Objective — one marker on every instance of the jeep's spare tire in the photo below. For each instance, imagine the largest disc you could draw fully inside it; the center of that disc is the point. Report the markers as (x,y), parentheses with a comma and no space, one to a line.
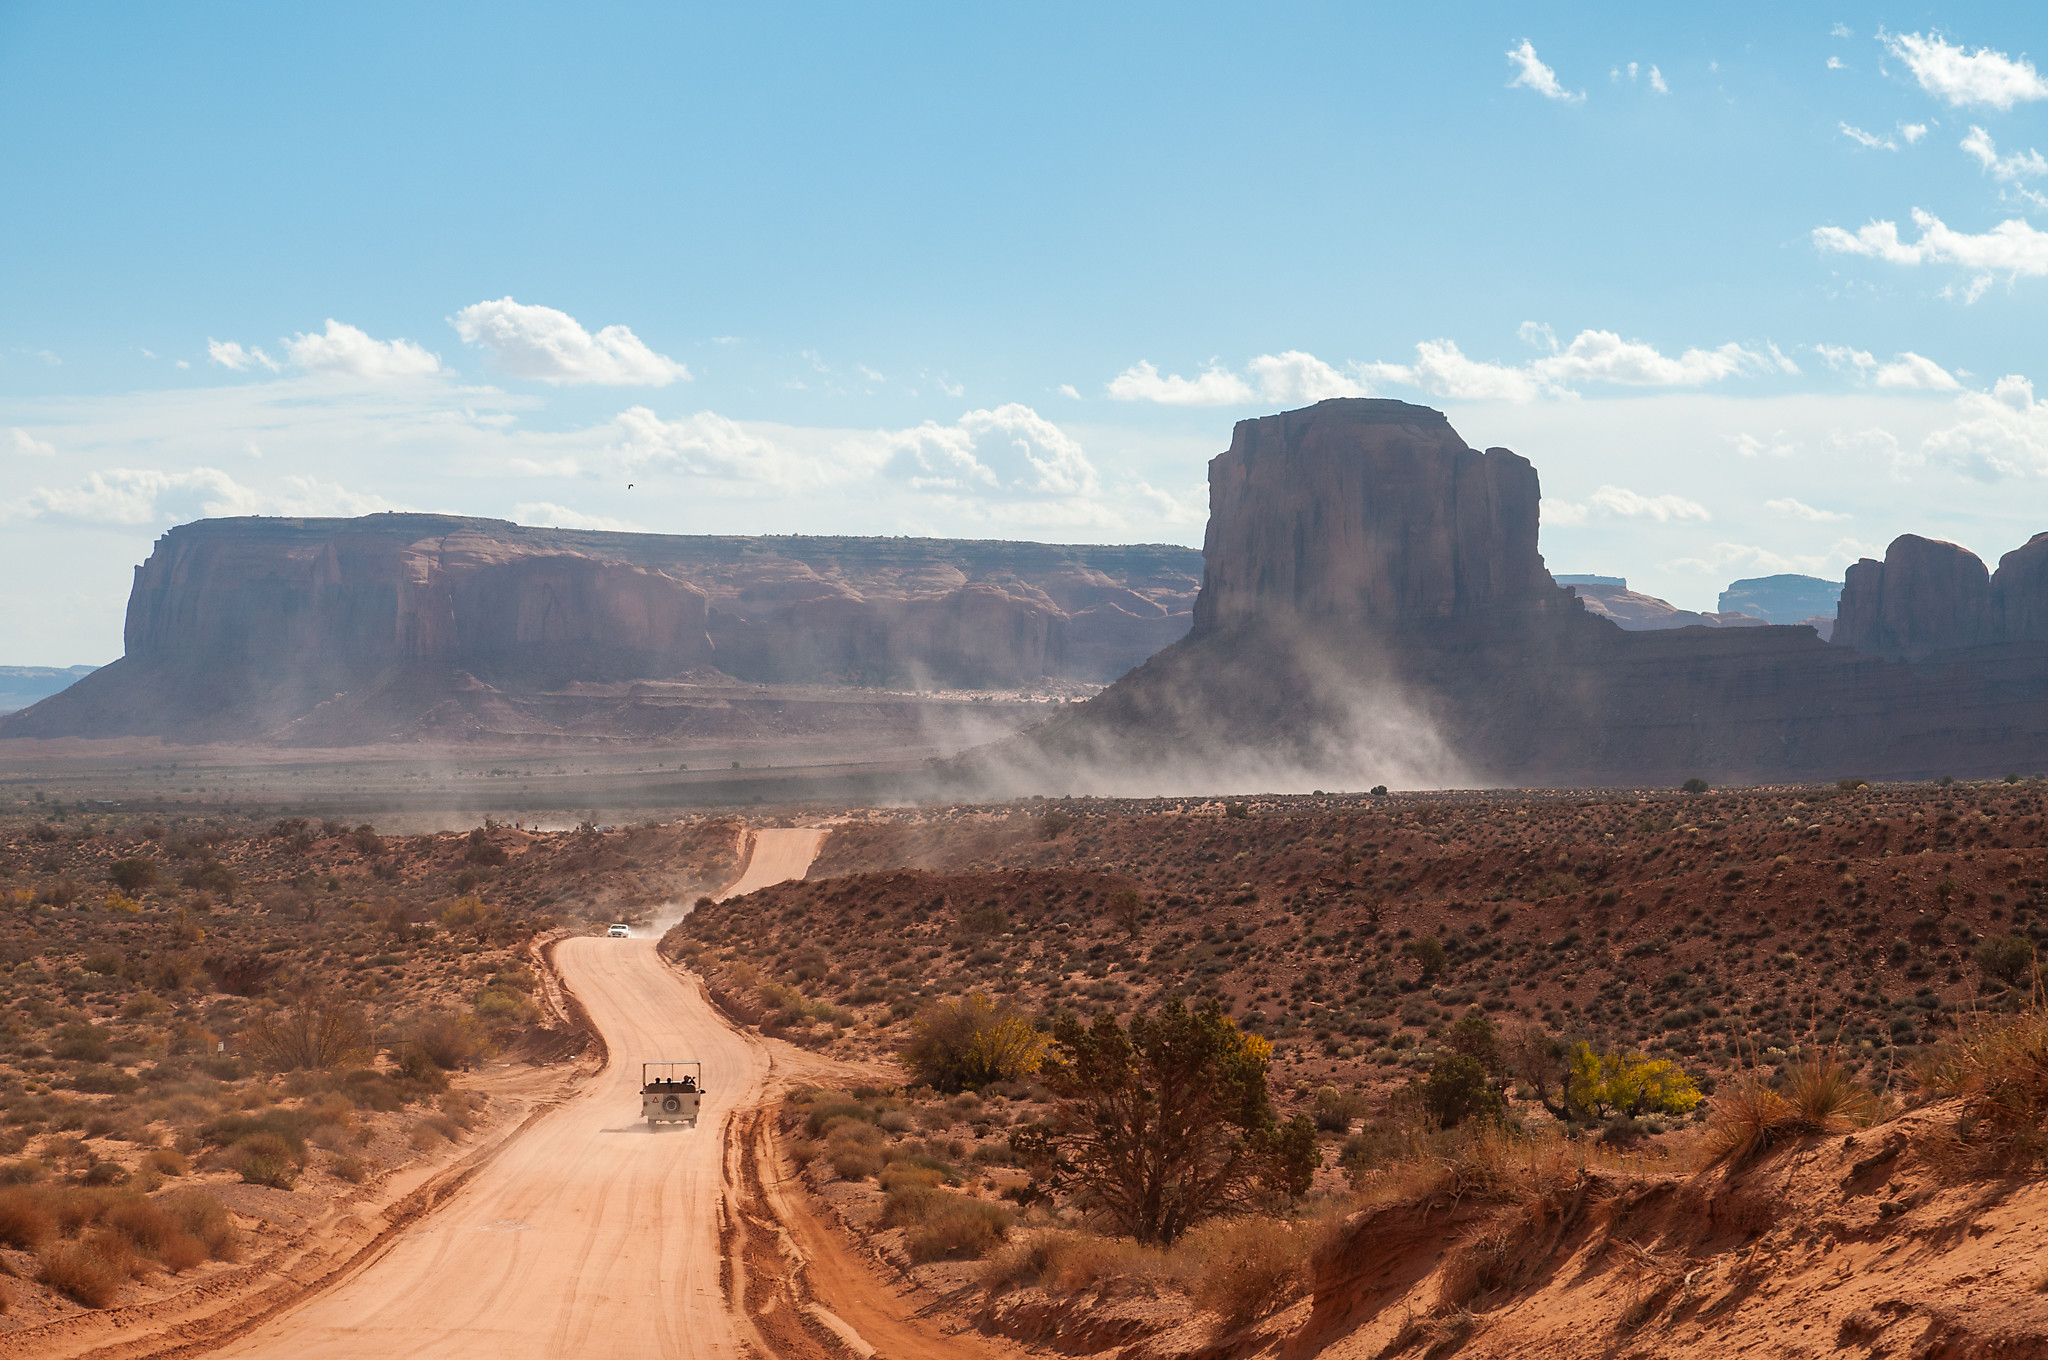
(670,1104)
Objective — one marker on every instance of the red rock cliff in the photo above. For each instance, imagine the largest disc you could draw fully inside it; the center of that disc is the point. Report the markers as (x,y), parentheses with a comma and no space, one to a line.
(1370,510)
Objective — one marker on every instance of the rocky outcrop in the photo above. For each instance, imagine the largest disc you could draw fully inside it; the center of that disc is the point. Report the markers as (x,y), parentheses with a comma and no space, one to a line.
(241,627)
(1374,612)
(1368,510)
(1927,596)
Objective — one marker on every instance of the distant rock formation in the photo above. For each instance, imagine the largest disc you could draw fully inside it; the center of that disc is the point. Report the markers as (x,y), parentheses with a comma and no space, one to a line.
(1374,611)
(239,628)
(21,686)
(1786,598)
(1639,613)
(1372,509)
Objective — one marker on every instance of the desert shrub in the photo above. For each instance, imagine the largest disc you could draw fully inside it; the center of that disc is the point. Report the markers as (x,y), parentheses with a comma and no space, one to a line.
(1428,955)
(823,1118)
(856,1161)
(1456,1089)
(2000,1071)
(470,916)
(1752,1114)
(166,1161)
(315,1033)
(349,1167)
(940,1226)
(2006,959)
(1081,1261)
(1054,824)
(157,1233)
(80,1041)
(481,851)
(1245,1268)
(25,1219)
(1334,1110)
(1475,1036)
(447,1040)
(1170,1121)
(206,1219)
(972,1042)
(241,974)
(1599,1085)
(133,875)
(90,1271)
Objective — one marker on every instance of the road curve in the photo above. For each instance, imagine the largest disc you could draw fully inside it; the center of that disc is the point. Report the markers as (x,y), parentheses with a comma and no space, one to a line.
(589,1234)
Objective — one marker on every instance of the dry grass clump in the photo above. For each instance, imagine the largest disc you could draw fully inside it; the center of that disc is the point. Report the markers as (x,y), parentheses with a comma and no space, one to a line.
(1065,1261)
(90,1271)
(1236,1269)
(2000,1071)
(1242,1269)
(1819,1095)
(89,1241)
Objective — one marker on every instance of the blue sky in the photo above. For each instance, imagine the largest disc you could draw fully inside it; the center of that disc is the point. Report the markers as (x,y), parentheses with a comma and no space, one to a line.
(1757,288)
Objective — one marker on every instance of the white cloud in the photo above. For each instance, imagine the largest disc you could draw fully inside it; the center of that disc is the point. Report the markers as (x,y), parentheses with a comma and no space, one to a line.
(1562,514)
(21,442)
(546,345)
(2013,247)
(1603,356)
(1011,450)
(1619,500)
(1657,81)
(710,445)
(1840,31)
(1725,559)
(1835,64)
(1842,358)
(1912,371)
(1067,390)
(1907,371)
(343,349)
(1532,74)
(2006,169)
(1781,360)
(1801,510)
(1912,132)
(1868,139)
(136,496)
(1442,370)
(1295,376)
(548,515)
(1215,387)
(2001,433)
(1778,445)
(230,354)
(1961,76)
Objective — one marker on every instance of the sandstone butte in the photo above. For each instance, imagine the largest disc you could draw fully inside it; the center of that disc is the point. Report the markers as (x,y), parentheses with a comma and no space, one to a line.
(333,632)
(1374,609)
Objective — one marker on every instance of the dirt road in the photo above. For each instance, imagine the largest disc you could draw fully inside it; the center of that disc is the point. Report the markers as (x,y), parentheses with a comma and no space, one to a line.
(590,1234)
(778,857)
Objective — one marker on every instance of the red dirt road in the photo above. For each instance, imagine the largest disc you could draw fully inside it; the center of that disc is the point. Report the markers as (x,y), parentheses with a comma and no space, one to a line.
(589,1234)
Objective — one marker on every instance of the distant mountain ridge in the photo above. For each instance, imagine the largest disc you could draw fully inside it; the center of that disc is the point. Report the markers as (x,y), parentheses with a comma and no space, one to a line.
(390,627)
(21,686)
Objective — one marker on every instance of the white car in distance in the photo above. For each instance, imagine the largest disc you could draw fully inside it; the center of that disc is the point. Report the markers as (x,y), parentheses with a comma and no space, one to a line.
(619,931)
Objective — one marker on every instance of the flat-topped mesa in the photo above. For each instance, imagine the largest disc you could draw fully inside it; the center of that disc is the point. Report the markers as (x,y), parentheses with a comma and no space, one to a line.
(1368,510)
(240,628)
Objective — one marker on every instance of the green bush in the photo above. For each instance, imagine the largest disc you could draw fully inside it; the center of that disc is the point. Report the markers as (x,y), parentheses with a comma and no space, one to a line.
(1456,1090)
(2007,959)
